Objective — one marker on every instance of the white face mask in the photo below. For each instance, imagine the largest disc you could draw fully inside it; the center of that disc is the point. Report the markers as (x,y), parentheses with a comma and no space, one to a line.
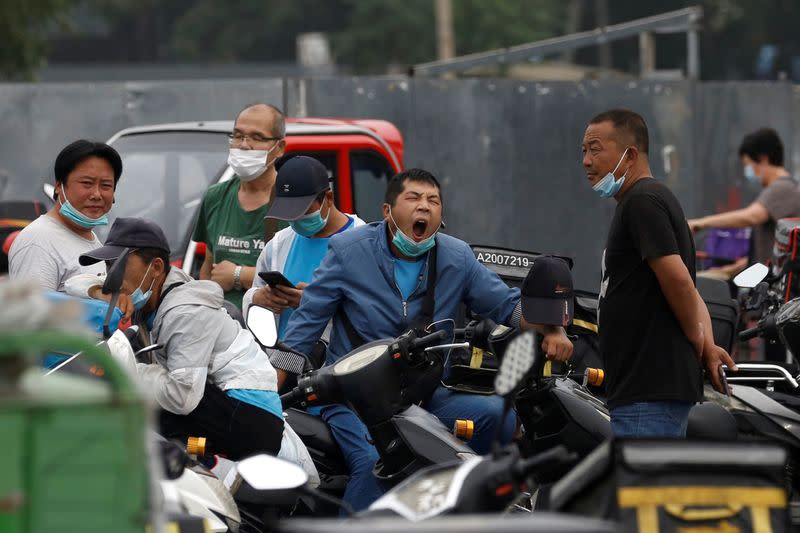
(249,164)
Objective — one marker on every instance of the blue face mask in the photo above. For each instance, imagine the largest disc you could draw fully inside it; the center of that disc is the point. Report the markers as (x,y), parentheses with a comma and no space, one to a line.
(139,298)
(608,186)
(310,225)
(70,213)
(750,175)
(408,246)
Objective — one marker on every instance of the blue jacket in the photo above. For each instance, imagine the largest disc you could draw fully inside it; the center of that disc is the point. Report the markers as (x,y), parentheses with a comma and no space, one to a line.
(357,275)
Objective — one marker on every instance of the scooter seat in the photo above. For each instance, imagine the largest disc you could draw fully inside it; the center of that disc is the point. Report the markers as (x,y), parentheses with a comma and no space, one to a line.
(711,421)
(316,435)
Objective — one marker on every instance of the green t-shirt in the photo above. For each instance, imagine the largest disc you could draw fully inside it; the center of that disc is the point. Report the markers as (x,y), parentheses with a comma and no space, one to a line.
(230,232)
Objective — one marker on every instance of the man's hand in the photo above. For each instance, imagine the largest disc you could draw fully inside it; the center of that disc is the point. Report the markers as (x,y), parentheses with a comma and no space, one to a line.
(695,224)
(713,358)
(291,295)
(282,375)
(557,346)
(271,299)
(222,274)
(124,302)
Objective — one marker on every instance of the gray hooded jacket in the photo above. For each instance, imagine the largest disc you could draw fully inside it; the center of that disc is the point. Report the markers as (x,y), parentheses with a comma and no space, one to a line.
(201,343)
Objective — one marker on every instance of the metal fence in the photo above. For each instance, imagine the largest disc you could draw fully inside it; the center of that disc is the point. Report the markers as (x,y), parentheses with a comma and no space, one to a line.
(507,152)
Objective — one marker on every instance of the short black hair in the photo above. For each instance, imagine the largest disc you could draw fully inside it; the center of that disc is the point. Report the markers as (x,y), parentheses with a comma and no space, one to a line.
(76,152)
(763,142)
(149,254)
(278,125)
(396,185)
(629,123)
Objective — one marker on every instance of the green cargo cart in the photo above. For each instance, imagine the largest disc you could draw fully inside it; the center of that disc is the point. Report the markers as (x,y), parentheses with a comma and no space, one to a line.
(73,447)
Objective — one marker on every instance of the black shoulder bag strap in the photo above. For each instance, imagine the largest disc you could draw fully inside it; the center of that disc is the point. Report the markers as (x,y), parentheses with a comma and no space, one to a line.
(421,322)
(144,335)
(429,303)
(140,318)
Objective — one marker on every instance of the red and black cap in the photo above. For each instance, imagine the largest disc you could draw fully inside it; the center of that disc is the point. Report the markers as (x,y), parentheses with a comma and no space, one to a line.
(547,292)
(300,180)
(127,233)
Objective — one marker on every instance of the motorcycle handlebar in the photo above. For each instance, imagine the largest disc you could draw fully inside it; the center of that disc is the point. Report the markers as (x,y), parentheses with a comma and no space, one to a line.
(292,397)
(429,339)
(557,455)
(748,334)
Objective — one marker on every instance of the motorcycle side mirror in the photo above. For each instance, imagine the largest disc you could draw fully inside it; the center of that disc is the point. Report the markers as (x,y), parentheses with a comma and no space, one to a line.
(49,191)
(261,323)
(112,286)
(751,276)
(517,362)
(267,473)
(116,274)
(173,458)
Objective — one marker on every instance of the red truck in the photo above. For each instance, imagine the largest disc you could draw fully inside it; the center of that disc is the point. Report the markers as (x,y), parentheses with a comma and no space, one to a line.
(168,167)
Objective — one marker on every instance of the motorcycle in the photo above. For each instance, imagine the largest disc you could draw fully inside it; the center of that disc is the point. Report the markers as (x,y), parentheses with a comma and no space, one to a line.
(376,381)
(493,484)
(555,409)
(188,486)
(488,484)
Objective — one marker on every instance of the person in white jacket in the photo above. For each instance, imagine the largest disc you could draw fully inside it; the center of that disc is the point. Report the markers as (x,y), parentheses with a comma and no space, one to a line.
(211,379)
(304,198)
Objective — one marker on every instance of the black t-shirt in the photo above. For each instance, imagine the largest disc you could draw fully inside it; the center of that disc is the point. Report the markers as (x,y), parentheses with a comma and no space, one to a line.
(646,355)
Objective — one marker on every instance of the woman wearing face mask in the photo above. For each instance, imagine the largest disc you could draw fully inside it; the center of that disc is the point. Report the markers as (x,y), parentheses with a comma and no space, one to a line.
(46,251)
(210,379)
(303,197)
(231,220)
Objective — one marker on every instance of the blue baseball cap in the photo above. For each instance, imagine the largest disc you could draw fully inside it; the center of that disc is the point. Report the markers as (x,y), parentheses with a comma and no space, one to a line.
(300,180)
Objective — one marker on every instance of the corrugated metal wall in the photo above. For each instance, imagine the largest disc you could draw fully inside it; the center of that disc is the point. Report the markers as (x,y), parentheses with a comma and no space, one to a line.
(507,152)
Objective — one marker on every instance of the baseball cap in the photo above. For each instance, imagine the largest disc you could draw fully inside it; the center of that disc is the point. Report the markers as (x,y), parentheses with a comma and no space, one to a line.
(300,179)
(127,233)
(547,292)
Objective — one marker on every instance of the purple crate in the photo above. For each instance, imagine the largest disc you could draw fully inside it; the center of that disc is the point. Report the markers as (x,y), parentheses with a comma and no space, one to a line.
(726,245)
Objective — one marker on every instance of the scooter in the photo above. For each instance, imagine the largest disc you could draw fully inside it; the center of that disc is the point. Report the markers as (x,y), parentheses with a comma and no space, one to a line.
(373,380)
(453,491)
(492,484)
(555,409)
(217,494)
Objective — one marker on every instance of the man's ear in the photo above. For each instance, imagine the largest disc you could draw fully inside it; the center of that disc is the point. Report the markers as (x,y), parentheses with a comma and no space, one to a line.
(386,208)
(159,266)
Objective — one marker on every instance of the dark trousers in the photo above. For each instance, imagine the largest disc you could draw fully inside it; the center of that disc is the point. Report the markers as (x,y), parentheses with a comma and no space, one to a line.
(231,427)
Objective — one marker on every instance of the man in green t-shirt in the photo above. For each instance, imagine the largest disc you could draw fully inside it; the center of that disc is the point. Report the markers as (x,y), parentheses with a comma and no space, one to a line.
(232,220)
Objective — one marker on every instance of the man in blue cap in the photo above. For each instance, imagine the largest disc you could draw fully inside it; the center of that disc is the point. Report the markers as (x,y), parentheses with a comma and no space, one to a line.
(304,198)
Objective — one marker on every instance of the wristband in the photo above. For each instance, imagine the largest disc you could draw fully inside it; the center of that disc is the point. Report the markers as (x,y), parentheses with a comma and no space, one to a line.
(237,278)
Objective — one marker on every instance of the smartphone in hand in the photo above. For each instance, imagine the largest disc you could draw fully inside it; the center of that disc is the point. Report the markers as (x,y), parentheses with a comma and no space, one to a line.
(274,278)
(724,379)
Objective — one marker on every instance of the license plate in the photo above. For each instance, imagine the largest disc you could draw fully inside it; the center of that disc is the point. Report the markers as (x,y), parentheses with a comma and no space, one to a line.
(505,262)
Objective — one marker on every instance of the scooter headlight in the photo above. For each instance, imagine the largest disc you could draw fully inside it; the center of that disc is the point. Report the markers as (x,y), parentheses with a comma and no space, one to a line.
(429,493)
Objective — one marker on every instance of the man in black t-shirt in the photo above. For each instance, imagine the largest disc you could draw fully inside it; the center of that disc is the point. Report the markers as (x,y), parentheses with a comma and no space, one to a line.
(655,330)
